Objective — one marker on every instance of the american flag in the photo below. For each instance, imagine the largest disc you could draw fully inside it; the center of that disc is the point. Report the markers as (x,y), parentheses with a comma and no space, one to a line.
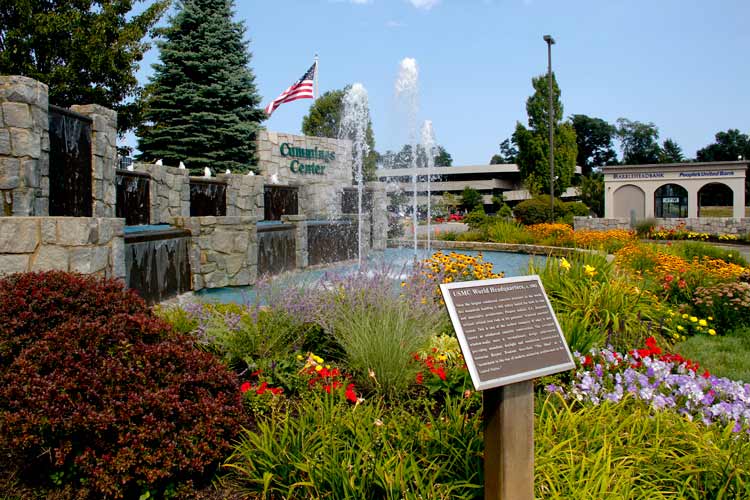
(302,89)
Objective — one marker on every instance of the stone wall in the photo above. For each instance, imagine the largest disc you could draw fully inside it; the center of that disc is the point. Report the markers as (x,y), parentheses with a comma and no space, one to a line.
(24,146)
(223,250)
(319,193)
(710,225)
(169,192)
(103,156)
(78,244)
(244,195)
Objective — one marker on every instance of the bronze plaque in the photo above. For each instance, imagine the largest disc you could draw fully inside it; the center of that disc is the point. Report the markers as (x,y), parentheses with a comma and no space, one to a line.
(507,330)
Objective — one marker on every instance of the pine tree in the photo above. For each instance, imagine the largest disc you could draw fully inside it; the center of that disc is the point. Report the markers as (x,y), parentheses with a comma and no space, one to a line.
(202,106)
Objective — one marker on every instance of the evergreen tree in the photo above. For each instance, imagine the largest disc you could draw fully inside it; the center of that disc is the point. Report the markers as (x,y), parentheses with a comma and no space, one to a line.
(324,120)
(533,142)
(671,152)
(201,104)
(86,51)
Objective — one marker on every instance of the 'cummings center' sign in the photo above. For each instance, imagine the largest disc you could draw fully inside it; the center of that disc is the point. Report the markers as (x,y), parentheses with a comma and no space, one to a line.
(306,160)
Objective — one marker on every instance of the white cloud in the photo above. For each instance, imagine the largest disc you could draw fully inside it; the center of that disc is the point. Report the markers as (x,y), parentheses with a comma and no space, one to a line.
(424,4)
(394,24)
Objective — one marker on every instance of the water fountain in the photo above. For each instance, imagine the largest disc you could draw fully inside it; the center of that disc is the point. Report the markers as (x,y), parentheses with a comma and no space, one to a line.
(408,97)
(428,144)
(354,121)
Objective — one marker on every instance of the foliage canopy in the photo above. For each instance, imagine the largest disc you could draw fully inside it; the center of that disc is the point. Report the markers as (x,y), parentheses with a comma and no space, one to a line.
(86,51)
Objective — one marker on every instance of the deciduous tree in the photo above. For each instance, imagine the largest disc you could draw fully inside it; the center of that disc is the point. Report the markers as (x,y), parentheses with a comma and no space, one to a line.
(86,51)
(638,142)
(324,120)
(508,153)
(594,141)
(533,142)
(731,145)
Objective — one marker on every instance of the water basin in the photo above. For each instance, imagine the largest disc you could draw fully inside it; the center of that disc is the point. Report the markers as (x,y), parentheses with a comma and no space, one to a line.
(397,260)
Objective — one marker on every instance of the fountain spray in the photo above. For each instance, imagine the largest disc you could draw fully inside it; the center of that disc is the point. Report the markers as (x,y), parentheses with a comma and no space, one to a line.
(428,144)
(407,94)
(354,121)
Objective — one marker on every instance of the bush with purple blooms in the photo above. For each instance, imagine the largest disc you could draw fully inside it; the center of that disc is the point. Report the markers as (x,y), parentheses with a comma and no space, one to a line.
(663,381)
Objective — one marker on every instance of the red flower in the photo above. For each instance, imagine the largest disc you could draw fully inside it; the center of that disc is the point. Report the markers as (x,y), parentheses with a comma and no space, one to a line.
(706,374)
(420,378)
(262,389)
(276,390)
(246,386)
(350,394)
(440,372)
(587,360)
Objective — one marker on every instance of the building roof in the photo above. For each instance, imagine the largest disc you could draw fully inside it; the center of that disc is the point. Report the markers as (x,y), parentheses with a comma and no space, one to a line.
(505,168)
(682,165)
(502,168)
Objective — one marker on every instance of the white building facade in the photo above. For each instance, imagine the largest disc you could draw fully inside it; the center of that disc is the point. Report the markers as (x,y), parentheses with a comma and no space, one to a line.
(674,190)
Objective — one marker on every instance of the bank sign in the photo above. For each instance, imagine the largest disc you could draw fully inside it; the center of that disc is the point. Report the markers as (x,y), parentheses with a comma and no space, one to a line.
(306,160)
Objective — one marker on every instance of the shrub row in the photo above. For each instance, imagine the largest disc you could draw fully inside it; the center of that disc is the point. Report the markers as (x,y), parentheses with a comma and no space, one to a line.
(97,393)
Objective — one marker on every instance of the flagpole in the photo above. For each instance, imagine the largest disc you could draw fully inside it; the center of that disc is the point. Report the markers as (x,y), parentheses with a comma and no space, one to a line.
(315,90)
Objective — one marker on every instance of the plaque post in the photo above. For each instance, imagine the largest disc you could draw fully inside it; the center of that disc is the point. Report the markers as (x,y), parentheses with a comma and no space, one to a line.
(509,442)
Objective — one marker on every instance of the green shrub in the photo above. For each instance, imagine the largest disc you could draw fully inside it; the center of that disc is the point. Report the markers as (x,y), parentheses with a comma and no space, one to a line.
(603,308)
(378,330)
(508,231)
(505,211)
(476,218)
(471,236)
(727,303)
(645,227)
(538,210)
(692,249)
(576,208)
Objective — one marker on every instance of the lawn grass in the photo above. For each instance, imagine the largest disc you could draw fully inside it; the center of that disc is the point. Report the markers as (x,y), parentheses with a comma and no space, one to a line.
(727,356)
(720,211)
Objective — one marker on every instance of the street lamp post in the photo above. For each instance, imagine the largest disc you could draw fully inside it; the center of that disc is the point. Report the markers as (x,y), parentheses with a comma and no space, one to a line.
(550,41)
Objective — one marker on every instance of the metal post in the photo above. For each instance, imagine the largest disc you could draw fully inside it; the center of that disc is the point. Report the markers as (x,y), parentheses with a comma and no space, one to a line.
(551,124)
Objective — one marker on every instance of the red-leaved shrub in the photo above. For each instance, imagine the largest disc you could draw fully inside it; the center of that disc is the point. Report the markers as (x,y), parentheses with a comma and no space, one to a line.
(109,400)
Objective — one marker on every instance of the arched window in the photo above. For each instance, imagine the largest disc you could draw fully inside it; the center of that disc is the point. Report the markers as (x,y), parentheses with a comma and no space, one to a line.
(715,200)
(671,201)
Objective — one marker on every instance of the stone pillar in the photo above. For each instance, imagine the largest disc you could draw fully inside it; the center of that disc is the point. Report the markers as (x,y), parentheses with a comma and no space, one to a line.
(169,192)
(244,192)
(24,146)
(300,237)
(379,215)
(103,156)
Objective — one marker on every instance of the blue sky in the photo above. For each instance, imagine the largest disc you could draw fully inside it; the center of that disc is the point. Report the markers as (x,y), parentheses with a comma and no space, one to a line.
(681,64)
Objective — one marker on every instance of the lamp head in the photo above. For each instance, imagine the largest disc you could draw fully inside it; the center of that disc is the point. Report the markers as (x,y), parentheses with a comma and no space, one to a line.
(549,39)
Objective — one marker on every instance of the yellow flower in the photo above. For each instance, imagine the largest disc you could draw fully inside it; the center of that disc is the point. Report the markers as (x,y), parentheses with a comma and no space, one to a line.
(403,283)
(564,264)
(317,359)
(684,316)
(442,357)
(300,357)
(318,368)
(589,271)
(703,322)
(710,318)
(711,331)
(680,328)
(693,319)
